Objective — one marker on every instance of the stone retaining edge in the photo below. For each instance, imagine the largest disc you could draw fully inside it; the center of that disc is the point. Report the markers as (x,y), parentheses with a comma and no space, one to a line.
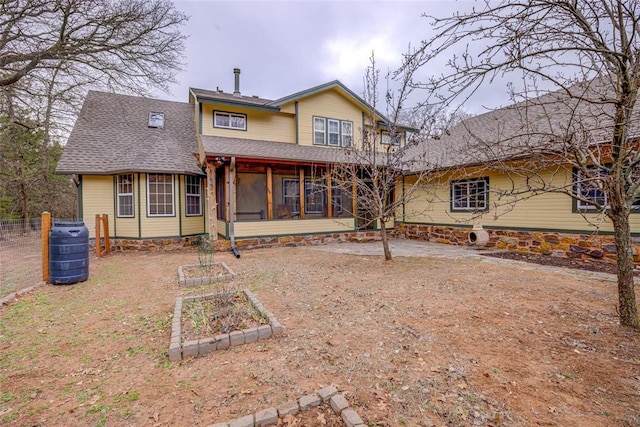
(269,416)
(179,350)
(197,281)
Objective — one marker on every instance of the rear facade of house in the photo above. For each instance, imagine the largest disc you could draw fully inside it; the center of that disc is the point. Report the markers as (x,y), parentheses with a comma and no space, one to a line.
(223,164)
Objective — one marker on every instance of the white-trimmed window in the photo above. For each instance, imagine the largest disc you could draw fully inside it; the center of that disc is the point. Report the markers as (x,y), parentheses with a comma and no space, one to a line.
(347,133)
(588,188)
(291,194)
(124,199)
(388,140)
(160,195)
(319,131)
(193,194)
(314,195)
(469,195)
(229,120)
(332,132)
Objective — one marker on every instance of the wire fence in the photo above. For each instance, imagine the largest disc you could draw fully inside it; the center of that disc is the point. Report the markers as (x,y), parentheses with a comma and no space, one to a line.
(20,254)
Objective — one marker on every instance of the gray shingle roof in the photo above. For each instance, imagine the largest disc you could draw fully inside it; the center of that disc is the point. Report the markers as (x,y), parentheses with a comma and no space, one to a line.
(550,123)
(213,95)
(111,135)
(269,150)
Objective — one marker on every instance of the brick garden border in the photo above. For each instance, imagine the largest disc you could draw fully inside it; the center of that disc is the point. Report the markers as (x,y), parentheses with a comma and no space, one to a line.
(197,281)
(179,350)
(270,416)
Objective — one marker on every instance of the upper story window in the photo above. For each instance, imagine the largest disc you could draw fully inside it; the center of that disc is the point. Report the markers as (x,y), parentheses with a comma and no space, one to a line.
(229,120)
(388,140)
(159,195)
(319,130)
(333,137)
(347,134)
(470,195)
(193,195)
(124,199)
(333,132)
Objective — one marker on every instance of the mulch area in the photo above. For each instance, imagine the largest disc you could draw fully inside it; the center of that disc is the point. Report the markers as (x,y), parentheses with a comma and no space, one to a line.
(579,264)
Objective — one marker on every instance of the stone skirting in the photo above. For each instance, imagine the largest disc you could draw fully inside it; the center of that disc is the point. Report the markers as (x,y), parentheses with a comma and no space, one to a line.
(584,246)
(172,244)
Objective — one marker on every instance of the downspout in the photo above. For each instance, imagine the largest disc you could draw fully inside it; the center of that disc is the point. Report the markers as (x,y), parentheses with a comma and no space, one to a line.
(232,188)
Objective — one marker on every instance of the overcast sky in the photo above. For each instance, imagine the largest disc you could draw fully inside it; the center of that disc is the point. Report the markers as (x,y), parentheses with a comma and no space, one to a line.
(283,47)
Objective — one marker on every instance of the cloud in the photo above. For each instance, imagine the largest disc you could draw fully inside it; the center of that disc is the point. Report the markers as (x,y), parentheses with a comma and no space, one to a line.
(284,47)
(350,56)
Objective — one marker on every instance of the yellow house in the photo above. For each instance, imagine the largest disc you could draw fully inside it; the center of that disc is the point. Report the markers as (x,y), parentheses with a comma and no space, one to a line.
(225,164)
(505,177)
(133,159)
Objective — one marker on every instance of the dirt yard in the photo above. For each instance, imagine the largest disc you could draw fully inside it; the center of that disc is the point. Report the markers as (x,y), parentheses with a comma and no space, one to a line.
(416,342)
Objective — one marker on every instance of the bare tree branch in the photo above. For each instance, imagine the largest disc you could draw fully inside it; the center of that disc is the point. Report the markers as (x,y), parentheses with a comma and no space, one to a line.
(575,78)
(132,43)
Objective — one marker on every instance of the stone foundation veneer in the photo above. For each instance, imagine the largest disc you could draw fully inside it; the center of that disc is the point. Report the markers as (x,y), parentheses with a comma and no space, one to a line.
(584,246)
(173,244)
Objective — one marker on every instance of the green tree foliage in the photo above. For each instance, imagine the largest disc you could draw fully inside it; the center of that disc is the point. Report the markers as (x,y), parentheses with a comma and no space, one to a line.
(26,190)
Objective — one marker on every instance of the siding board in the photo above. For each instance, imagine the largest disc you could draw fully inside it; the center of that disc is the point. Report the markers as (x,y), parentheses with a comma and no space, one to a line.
(546,211)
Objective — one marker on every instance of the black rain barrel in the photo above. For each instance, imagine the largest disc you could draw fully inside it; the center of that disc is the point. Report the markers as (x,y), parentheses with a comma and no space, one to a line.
(68,252)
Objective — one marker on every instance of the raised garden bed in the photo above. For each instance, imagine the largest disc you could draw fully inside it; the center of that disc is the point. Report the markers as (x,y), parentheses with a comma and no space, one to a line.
(180,348)
(202,274)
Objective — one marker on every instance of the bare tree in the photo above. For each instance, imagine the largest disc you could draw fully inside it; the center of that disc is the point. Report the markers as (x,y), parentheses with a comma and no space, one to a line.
(126,42)
(430,121)
(373,169)
(586,53)
(52,52)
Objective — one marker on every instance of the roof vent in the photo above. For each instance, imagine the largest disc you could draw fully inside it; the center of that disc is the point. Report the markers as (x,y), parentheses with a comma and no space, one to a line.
(156,120)
(236,90)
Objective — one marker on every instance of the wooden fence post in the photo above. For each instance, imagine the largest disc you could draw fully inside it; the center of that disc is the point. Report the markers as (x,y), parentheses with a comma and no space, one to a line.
(45,228)
(98,244)
(102,226)
(107,240)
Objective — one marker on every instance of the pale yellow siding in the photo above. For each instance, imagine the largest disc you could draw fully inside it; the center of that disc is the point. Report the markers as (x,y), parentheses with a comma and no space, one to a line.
(191,224)
(288,108)
(261,125)
(281,126)
(291,227)
(98,196)
(545,211)
(331,105)
(126,227)
(221,227)
(157,226)
(97,199)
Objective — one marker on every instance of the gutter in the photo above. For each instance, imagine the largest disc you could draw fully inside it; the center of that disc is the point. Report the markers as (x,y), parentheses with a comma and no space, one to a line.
(232,186)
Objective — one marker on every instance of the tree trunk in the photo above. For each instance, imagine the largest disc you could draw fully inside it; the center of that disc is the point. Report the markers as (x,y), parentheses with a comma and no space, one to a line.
(385,241)
(626,292)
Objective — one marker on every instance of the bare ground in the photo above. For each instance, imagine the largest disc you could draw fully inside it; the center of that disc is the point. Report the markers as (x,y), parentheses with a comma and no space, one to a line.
(416,342)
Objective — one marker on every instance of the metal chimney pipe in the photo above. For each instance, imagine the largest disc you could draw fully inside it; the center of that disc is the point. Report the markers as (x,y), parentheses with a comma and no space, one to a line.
(236,90)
